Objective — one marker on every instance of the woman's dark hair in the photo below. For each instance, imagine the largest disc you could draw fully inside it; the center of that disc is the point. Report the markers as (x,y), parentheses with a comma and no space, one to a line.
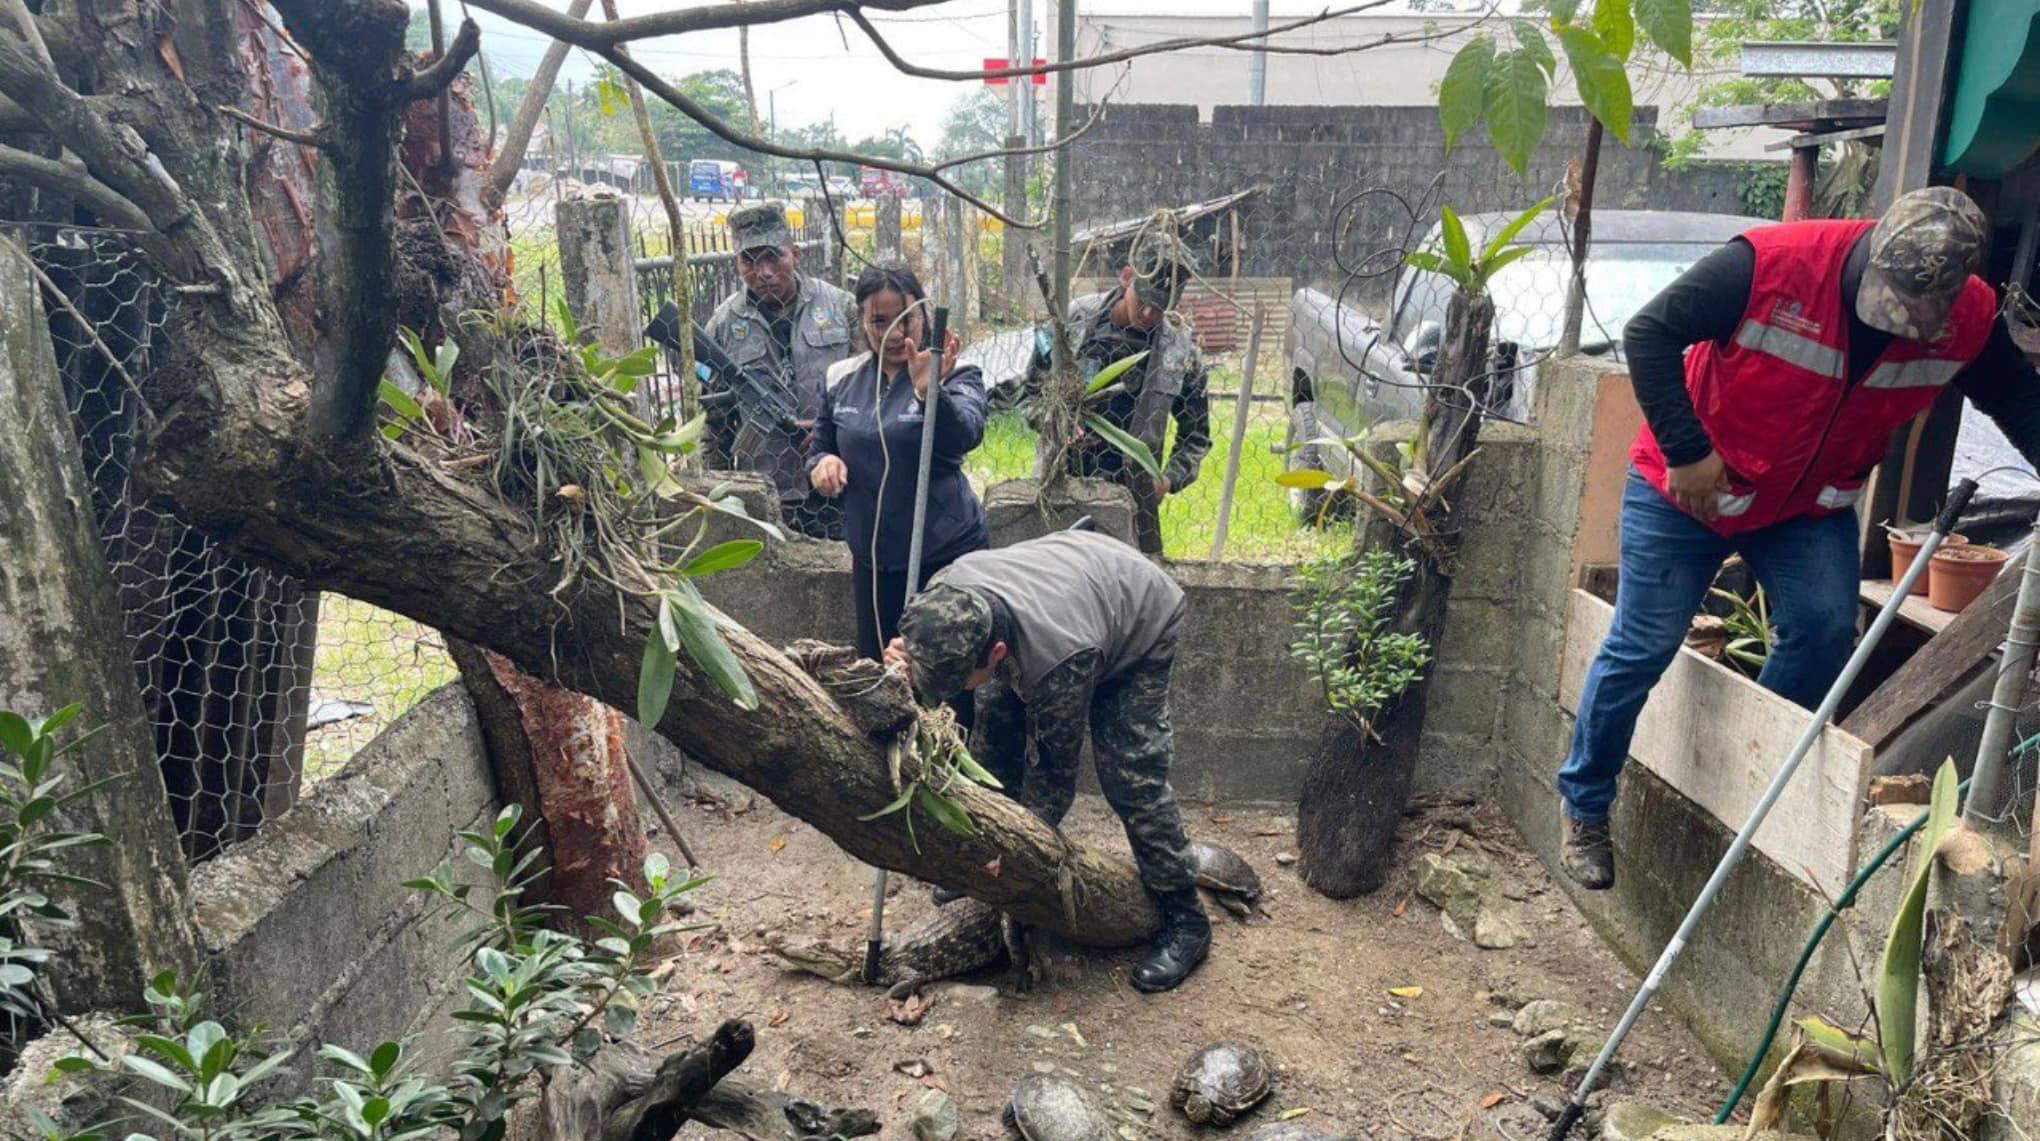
(890,277)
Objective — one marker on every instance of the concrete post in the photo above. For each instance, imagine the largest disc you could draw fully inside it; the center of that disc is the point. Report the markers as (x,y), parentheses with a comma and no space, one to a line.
(1257,64)
(963,272)
(63,643)
(888,235)
(936,262)
(595,261)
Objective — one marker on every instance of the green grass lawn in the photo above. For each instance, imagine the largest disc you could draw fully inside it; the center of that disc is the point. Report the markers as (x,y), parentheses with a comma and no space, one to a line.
(1263,528)
(372,656)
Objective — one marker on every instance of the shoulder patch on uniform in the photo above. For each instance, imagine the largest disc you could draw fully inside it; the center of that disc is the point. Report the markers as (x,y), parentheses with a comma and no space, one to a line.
(844,368)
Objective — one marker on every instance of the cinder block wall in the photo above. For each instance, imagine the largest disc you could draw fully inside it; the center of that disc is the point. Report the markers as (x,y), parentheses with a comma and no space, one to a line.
(1315,161)
(308,930)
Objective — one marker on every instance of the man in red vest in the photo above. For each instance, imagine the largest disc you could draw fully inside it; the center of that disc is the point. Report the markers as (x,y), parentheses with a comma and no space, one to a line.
(1771,375)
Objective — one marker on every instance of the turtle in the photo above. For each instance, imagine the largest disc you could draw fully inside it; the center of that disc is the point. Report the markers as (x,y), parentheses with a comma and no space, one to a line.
(1295,1131)
(1050,1108)
(1220,1082)
(1227,876)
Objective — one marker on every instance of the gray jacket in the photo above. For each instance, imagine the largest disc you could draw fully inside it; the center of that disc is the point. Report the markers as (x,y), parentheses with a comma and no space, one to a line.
(824,332)
(1173,384)
(1073,591)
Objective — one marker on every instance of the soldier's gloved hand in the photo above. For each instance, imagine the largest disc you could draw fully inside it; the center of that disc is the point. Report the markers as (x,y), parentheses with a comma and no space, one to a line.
(829,476)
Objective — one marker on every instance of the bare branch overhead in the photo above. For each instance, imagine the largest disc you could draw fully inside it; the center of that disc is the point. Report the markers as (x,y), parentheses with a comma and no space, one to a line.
(428,81)
(596,37)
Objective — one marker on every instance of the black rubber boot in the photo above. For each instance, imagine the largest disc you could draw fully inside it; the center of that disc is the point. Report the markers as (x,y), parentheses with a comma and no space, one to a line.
(1184,941)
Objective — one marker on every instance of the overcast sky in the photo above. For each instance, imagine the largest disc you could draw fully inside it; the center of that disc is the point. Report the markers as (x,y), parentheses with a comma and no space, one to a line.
(814,76)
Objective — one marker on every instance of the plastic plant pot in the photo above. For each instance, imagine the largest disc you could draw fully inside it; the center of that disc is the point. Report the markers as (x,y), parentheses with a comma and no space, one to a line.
(1959,574)
(1906,544)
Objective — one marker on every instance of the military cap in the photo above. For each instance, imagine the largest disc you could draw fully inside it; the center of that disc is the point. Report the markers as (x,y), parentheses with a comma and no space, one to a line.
(1162,265)
(944,628)
(1922,253)
(760,224)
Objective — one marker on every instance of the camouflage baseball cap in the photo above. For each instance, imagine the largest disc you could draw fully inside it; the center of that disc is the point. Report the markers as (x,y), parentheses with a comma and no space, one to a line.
(1162,265)
(1921,255)
(763,224)
(945,628)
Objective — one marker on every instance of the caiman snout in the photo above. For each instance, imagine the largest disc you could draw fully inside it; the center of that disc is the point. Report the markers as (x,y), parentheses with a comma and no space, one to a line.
(803,953)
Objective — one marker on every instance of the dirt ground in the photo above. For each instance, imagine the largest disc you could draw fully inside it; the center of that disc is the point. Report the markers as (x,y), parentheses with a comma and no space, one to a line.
(1308,983)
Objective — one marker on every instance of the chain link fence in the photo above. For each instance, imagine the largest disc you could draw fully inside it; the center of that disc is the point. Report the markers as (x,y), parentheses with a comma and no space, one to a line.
(254,686)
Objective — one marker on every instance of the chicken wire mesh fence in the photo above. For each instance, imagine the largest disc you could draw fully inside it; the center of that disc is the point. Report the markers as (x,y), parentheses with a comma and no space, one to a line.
(253,685)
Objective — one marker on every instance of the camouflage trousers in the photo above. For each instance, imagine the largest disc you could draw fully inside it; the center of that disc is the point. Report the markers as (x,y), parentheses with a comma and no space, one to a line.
(1131,744)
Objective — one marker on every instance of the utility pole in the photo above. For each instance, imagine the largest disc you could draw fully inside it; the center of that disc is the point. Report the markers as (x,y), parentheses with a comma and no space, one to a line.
(1028,115)
(1257,63)
(1013,243)
(1064,360)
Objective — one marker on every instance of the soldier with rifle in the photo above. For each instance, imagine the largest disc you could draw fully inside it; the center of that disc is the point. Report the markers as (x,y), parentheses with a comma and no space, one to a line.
(1169,384)
(788,328)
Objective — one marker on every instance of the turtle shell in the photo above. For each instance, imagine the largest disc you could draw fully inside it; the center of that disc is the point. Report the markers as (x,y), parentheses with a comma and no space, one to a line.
(1219,868)
(1050,1108)
(1220,1082)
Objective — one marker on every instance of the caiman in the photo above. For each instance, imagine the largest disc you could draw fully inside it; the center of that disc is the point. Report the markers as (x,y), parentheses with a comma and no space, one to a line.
(968,936)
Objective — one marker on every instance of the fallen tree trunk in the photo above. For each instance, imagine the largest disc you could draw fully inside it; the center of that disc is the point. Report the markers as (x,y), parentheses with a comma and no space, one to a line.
(277,459)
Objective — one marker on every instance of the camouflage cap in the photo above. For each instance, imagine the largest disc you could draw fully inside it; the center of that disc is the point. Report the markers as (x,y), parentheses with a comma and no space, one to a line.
(944,628)
(761,224)
(1921,255)
(1162,265)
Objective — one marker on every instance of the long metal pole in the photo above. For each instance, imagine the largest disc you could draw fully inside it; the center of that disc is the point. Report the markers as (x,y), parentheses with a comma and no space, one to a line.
(1257,63)
(1957,501)
(1028,113)
(1065,116)
(874,942)
(1239,429)
(1986,791)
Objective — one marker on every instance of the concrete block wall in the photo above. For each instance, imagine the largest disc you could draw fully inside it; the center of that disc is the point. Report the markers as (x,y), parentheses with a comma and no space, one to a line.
(307,929)
(1245,713)
(1316,160)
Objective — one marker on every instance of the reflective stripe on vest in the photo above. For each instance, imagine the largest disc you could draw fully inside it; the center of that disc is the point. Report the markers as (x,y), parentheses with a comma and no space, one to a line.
(1790,347)
(1913,374)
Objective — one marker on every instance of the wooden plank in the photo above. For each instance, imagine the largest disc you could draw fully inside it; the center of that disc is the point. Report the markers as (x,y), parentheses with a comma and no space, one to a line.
(1914,612)
(1822,138)
(1805,116)
(1718,738)
(1947,661)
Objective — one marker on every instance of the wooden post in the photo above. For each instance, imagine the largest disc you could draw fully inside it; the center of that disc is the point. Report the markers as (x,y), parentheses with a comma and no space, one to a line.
(596,261)
(1239,422)
(1799,183)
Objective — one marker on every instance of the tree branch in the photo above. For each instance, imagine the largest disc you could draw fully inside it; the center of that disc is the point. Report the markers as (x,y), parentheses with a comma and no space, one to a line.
(597,37)
(1097,113)
(184,242)
(503,171)
(432,80)
(1181,43)
(77,183)
(316,137)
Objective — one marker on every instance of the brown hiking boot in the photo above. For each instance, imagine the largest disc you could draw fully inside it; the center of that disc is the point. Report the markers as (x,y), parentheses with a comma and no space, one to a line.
(1588,855)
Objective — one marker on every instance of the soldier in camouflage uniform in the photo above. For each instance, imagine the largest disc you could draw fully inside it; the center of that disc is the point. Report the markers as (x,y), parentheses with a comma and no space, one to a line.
(790,326)
(1071,630)
(1169,384)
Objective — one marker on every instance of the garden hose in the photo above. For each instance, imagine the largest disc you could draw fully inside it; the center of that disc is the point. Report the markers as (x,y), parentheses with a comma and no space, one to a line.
(1842,903)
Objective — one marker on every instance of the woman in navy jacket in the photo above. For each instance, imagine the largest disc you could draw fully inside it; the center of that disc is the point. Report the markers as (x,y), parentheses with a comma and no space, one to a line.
(867,446)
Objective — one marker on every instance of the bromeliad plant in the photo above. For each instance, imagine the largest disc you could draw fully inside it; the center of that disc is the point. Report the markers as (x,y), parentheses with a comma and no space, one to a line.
(537,999)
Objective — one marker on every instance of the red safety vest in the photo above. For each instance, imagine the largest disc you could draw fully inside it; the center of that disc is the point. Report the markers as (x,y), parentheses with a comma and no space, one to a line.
(1798,439)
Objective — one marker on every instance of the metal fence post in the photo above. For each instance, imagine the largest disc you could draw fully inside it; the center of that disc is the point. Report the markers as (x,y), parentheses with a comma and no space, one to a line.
(1239,429)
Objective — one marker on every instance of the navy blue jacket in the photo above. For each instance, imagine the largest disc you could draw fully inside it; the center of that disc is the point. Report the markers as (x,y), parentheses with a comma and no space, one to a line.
(878,500)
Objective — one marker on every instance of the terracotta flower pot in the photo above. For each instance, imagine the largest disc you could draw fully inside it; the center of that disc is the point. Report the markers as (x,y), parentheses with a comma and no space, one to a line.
(1958,574)
(1906,544)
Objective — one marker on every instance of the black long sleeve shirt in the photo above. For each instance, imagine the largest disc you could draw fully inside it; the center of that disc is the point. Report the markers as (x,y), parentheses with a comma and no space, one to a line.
(1707,303)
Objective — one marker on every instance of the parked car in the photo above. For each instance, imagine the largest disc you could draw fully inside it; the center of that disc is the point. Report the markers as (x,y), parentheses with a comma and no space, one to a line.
(716,180)
(1350,369)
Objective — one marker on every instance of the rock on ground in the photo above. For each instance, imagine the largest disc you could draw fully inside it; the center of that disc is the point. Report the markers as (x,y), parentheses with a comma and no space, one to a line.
(935,1117)
(1630,1120)
(1720,1133)
(1542,1017)
(1550,1052)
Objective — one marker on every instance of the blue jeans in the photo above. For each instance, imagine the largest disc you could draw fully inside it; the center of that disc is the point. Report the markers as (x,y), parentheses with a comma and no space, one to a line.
(1808,569)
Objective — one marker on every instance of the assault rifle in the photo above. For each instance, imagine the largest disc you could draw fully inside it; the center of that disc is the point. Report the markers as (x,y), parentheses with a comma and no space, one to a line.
(758,397)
